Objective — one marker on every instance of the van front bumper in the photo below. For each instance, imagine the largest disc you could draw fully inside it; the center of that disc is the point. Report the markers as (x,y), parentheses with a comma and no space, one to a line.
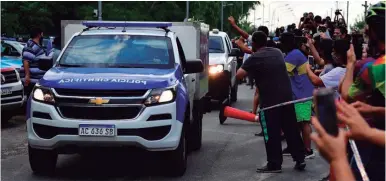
(47,129)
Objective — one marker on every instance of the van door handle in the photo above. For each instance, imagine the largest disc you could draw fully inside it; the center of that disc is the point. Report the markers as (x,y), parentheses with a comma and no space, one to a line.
(193,80)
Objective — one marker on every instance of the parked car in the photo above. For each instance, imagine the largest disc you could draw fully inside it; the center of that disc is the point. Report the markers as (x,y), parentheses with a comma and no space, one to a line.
(11,54)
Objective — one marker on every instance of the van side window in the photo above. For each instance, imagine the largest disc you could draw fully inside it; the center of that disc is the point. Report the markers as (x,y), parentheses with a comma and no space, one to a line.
(229,44)
(181,54)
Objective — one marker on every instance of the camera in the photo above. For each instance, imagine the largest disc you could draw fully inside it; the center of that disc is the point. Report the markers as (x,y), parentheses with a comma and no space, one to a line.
(337,12)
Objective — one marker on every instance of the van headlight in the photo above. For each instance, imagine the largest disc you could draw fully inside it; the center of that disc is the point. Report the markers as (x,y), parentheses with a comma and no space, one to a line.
(161,96)
(215,69)
(43,94)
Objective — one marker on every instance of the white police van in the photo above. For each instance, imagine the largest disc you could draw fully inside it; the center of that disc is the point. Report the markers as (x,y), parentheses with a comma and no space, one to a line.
(131,85)
(222,67)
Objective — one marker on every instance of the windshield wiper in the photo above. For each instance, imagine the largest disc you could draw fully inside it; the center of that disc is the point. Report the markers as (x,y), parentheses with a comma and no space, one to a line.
(70,65)
(127,66)
(218,49)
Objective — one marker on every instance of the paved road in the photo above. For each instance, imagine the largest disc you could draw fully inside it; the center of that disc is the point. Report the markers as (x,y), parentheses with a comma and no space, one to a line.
(229,152)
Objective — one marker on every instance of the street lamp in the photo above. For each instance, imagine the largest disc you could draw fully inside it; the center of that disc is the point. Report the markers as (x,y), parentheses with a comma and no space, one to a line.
(271,16)
(254,22)
(269,10)
(274,13)
(222,13)
(287,11)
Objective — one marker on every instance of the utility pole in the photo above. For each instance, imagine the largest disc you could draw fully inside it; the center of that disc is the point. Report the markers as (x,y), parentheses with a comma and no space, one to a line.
(222,15)
(269,17)
(331,14)
(365,5)
(254,18)
(187,11)
(347,13)
(100,10)
(242,8)
(263,13)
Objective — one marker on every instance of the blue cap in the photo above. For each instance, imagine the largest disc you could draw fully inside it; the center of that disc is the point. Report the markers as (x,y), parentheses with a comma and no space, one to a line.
(126,24)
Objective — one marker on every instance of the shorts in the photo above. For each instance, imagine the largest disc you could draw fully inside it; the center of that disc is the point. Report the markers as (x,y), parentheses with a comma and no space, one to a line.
(303,111)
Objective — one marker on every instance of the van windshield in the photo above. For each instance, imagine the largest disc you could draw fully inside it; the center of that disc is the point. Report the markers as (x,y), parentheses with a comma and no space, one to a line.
(126,51)
(216,44)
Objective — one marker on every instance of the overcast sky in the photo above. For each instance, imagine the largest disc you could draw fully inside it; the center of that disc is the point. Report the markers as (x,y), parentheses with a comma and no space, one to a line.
(282,15)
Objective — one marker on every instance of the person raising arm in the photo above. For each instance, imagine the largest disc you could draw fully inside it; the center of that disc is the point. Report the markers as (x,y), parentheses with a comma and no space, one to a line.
(237,28)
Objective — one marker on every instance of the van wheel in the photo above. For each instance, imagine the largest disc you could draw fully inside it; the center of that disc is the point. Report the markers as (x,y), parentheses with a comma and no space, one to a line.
(5,117)
(177,159)
(234,92)
(228,95)
(195,141)
(42,162)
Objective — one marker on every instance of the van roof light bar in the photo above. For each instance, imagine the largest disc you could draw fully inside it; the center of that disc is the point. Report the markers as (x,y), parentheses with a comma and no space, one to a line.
(92,24)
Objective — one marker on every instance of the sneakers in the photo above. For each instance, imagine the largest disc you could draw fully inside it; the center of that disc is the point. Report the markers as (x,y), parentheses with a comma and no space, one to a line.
(310,154)
(286,152)
(269,169)
(300,165)
(259,134)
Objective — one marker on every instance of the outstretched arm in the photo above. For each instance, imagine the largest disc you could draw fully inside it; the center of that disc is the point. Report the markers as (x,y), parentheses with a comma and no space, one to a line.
(238,29)
(314,52)
(348,79)
(243,47)
(315,80)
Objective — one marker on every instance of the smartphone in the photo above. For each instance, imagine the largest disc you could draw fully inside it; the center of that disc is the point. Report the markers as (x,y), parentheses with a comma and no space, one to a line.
(311,61)
(326,110)
(322,29)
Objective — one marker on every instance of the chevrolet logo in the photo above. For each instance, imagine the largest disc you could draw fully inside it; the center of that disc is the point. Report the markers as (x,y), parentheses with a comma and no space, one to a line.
(99,101)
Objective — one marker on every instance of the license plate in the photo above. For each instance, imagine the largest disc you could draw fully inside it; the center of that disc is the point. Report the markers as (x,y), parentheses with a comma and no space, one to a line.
(96,130)
(6,92)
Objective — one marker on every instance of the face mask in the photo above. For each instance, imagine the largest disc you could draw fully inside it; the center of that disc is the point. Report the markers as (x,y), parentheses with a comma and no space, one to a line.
(41,41)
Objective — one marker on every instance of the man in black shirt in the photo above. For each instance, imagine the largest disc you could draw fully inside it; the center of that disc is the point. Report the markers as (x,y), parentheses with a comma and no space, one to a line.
(267,67)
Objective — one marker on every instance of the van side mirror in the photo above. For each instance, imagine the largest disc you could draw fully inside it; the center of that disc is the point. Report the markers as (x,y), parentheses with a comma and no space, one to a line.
(235,52)
(45,63)
(193,66)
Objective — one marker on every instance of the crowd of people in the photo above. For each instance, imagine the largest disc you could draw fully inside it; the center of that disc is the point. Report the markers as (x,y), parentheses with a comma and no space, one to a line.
(320,53)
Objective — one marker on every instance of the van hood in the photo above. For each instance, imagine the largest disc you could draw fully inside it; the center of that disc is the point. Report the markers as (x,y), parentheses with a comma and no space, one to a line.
(110,78)
(217,58)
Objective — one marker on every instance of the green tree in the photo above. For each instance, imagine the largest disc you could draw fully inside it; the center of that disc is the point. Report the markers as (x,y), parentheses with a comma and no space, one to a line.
(18,17)
(359,24)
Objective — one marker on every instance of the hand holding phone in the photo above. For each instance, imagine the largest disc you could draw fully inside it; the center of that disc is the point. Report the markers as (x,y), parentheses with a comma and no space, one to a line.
(311,61)
(326,110)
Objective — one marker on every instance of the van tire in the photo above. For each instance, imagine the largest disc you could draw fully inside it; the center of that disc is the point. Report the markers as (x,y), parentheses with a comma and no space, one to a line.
(5,117)
(42,162)
(228,95)
(234,92)
(195,141)
(177,159)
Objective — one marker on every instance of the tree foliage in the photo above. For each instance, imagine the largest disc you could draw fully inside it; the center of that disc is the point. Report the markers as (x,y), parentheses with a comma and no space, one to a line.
(359,24)
(18,16)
